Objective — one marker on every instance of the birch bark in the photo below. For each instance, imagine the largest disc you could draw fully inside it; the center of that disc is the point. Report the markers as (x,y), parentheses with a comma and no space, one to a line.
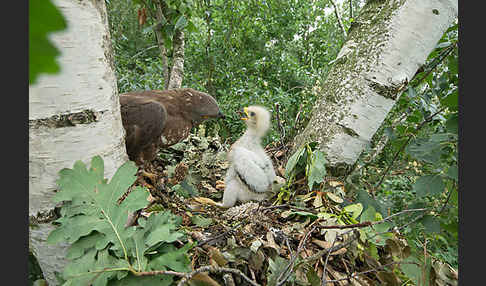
(73,115)
(177,71)
(386,45)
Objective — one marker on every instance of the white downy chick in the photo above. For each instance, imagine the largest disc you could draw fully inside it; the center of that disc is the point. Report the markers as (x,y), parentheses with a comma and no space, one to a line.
(250,174)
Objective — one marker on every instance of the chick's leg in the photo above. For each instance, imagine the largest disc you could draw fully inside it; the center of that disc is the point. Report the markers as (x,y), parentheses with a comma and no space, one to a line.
(231,193)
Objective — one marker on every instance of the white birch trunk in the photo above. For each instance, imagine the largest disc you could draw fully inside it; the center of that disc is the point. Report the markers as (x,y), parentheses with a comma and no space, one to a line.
(390,40)
(177,71)
(85,90)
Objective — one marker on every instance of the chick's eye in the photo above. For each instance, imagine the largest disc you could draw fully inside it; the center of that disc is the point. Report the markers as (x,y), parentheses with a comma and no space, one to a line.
(252,113)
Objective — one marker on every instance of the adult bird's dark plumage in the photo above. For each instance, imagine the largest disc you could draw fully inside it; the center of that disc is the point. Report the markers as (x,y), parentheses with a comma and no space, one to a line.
(156,119)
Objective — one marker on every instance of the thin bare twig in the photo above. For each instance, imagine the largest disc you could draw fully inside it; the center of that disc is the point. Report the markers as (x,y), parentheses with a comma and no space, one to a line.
(437,61)
(214,269)
(353,276)
(286,273)
(369,223)
(325,263)
(426,120)
(144,50)
(279,123)
(338,16)
(447,200)
(350,8)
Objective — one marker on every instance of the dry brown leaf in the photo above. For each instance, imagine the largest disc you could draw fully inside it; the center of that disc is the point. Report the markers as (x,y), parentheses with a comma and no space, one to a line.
(326,245)
(281,171)
(203,279)
(216,255)
(333,183)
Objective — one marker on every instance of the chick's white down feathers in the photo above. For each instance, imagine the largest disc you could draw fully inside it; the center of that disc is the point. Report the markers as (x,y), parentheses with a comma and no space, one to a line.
(250,174)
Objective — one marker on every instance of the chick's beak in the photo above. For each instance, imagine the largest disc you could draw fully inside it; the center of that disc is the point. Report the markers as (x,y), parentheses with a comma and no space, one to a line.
(245,111)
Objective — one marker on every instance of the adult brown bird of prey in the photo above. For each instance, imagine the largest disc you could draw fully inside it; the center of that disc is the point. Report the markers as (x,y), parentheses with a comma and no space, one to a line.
(156,119)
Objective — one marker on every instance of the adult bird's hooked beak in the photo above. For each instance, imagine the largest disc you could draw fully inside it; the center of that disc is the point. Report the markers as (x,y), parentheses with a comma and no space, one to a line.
(221,115)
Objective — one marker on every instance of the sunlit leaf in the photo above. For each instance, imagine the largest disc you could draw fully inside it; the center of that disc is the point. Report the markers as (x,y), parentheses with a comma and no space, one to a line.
(44,18)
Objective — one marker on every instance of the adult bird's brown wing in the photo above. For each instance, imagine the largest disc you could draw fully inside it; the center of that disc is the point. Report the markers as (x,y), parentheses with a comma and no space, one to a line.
(144,120)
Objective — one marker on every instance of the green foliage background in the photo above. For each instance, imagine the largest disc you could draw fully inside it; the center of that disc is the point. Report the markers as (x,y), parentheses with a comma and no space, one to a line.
(264,52)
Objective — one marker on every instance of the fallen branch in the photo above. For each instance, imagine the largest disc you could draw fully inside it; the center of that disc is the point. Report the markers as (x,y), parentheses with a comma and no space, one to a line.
(325,264)
(353,276)
(214,269)
(286,273)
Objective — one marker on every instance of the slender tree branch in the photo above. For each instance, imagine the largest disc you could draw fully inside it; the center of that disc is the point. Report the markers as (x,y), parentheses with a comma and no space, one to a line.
(427,120)
(143,51)
(338,16)
(447,200)
(350,8)
(437,61)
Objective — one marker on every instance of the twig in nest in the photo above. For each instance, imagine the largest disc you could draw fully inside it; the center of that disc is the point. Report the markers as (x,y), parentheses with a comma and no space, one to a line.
(325,263)
(188,276)
(353,276)
(231,230)
(287,271)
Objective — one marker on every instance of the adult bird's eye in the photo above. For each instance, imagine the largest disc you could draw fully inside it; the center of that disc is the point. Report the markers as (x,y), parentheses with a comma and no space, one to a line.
(252,113)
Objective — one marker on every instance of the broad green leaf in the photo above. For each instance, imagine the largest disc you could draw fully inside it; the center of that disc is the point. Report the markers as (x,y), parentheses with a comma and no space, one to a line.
(452,123)
(366,200)
(187,185)
(312,277)
(191,27)
(201,221)
(431,224)
(412,269)
(83,244)
(71,229)
(162,234)
(138,251)
(275,268)
(451,101)
(368,215)
(354,209)
(425,149)
(292,162)
(411,92)
(453,66)
(44,18)
(317,170)
(429,185)
(172,258)
(452,172)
